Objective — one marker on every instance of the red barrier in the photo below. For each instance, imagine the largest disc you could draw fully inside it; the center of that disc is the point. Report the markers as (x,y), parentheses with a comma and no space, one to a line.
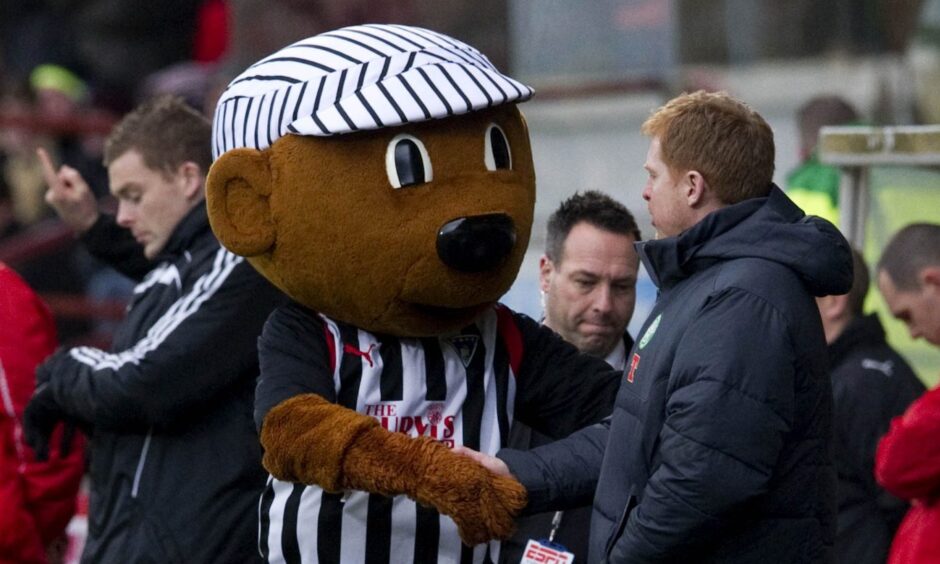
(87,122)
(38,240)
(79,307)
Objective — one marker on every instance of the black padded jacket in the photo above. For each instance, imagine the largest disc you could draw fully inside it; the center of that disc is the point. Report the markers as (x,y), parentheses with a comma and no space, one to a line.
(718,449)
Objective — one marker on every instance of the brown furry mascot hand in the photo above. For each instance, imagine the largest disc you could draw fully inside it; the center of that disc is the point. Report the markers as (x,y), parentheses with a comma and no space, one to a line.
(310,440)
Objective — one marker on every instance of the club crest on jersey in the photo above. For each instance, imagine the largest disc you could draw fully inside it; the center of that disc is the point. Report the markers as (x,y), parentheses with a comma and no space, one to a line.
(435,413)
(465,346)
(650,331)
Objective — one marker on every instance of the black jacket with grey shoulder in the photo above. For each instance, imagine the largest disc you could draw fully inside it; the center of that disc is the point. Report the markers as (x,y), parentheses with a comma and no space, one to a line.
(175,459)
(719,446)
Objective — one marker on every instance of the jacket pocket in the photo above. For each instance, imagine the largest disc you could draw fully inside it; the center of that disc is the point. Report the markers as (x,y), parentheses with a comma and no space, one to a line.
(149,541)
(619,526)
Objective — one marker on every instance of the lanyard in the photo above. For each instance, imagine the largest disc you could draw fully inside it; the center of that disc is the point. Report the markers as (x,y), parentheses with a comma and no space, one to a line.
(556,523)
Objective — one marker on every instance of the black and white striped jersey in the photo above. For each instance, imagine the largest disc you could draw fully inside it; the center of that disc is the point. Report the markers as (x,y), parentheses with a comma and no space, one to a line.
(461,389)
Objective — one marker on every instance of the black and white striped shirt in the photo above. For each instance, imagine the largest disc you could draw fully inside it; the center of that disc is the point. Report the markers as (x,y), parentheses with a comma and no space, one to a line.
(462,389)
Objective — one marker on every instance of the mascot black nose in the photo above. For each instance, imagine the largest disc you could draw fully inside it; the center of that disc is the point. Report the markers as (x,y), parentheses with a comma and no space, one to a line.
(476,244)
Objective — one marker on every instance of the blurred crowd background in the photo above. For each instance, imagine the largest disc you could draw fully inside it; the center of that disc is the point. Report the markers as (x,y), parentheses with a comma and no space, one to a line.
(70,68)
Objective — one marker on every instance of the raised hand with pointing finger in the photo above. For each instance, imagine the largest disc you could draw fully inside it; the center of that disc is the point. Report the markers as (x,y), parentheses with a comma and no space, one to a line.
(74,202)
(69,194)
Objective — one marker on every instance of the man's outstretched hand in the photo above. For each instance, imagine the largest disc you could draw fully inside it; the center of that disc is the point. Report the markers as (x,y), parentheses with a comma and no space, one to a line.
(68,194)
(491,463)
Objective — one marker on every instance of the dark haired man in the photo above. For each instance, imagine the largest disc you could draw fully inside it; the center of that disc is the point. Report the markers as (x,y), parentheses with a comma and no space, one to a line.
(175,461)
(907,462)
(871,384)
(588,278)
(588,275)
(909,279)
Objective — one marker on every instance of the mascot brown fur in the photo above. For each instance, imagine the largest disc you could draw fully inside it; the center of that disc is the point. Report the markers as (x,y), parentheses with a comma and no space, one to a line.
(404,234)
(326,250)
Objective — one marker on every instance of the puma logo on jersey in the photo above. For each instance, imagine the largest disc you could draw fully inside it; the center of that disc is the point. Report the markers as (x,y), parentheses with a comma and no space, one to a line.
(886,367)
(366,354)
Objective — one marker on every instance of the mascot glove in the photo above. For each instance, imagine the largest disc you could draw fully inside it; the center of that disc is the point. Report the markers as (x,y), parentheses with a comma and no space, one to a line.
(312,441)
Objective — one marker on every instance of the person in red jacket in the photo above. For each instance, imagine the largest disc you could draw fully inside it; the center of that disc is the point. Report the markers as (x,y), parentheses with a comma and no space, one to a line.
(37,498)
(907,463)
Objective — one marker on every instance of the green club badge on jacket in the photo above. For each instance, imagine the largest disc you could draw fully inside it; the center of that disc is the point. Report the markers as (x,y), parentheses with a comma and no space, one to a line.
(650,331)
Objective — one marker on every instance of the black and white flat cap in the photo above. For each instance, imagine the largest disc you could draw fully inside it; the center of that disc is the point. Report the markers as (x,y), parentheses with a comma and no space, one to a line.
(357,78)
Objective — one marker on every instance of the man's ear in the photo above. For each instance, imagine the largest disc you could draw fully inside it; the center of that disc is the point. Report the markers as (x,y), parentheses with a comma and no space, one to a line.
(695,188)
(237,192)
(545,272)
(929,276)
(833,308)
(192,178)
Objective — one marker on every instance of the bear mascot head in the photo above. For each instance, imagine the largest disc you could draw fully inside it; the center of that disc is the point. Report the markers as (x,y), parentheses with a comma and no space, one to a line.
(381,176)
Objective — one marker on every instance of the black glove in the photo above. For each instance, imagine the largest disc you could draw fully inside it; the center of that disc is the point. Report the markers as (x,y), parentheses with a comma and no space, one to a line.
(39,420)
(45,370)
(68,437)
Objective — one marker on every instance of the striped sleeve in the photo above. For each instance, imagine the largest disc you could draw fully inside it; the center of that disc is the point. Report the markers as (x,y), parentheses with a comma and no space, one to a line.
(295,352)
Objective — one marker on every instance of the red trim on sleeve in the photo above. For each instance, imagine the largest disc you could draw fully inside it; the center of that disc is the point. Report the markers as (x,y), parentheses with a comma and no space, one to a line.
(511,336)
(330,346)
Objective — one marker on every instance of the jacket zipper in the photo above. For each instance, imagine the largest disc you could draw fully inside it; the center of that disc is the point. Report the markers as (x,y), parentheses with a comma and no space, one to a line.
(140,464)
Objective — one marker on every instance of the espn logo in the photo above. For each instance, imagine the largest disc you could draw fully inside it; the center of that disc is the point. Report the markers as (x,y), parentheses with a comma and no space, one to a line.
(536,553)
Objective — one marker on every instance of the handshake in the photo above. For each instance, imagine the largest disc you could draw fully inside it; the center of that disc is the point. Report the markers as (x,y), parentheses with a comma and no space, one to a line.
(312,441)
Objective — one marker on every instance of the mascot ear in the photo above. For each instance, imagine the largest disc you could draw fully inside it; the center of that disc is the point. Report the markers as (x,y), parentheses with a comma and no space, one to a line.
(237,191)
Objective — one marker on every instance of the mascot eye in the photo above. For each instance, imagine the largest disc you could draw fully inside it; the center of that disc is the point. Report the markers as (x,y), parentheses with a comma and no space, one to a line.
(407,161)
(496,151)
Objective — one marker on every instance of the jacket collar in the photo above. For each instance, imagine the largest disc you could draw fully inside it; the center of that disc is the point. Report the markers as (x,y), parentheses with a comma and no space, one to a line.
(862,331)
(670,260)
(772,228)
(193,225)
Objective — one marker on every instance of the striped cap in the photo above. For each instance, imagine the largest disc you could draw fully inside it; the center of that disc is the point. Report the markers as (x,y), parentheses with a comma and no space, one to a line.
(356,78)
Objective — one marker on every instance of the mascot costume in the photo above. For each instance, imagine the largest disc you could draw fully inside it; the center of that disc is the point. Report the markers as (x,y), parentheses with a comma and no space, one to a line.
(381,176)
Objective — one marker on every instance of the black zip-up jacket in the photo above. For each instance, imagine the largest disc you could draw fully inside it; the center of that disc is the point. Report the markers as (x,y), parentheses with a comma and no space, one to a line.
(718,449)
(175,460)
(871,384)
